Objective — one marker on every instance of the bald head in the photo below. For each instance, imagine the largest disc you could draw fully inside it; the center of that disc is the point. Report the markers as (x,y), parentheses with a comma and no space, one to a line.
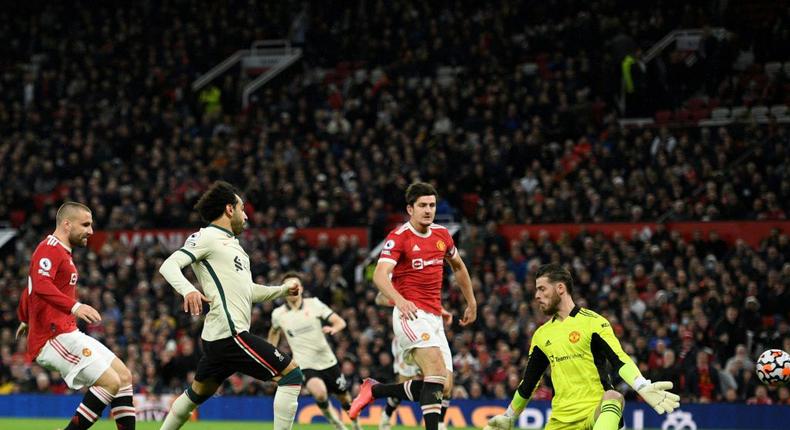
(70,211)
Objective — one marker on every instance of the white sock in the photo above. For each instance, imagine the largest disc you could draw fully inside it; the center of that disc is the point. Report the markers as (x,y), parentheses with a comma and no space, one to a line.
(179,413)
(285,403)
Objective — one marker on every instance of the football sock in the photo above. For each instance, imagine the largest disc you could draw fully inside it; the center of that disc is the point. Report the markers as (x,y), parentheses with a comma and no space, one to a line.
(409,390)
(286,399)
(445,405)
(609,419)
(392,404)
(431,400)
(181,409)
(123,409)
(91,408)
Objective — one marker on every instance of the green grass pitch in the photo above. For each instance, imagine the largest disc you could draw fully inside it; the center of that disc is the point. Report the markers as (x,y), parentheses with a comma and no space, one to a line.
(105,424)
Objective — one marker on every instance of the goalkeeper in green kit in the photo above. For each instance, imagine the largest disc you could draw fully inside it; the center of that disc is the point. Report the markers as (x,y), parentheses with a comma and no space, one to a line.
(577,343)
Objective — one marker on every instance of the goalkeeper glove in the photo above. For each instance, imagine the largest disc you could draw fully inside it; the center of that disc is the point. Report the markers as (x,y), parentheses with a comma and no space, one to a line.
(500,422)
(657,396)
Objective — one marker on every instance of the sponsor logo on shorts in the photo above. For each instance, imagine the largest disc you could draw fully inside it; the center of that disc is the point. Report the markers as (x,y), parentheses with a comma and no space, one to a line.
(574,336)
(425,336)
(86,352)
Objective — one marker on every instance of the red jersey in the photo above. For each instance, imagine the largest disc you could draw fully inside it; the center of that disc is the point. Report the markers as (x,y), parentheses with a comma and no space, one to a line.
(50,295)
(419,263)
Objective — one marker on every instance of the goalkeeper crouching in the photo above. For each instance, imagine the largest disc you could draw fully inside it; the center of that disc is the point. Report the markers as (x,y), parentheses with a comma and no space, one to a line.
(577,343)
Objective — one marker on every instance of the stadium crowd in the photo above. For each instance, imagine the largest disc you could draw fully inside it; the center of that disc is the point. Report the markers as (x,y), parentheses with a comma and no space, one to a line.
(336,146)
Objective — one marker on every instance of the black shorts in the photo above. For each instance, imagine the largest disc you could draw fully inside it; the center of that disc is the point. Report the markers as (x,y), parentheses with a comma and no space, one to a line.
(334,380)
(245,353)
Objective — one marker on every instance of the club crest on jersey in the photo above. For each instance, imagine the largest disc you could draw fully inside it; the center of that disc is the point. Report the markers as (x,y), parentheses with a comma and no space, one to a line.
(574,336)
(440,245)
(86,352)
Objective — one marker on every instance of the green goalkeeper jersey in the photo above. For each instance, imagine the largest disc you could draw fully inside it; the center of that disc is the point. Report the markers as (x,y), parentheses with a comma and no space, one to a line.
(577,349)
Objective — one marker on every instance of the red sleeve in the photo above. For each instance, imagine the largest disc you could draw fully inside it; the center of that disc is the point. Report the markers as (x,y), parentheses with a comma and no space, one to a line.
(21,310)
(43,269)
(393,247)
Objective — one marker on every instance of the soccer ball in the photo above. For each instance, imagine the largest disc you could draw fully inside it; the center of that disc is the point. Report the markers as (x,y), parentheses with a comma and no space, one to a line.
(773,367)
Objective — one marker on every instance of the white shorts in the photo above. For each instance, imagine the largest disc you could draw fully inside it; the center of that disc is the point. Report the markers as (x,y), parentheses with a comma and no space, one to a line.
(399,365)
(426,331)
(79,358)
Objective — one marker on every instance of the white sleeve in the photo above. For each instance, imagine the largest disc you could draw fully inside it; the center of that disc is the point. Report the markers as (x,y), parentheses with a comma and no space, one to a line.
(265,293)
(171,271)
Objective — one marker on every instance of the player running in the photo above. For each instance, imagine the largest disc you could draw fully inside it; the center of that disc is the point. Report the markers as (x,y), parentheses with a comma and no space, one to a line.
(576,343)
(409,273)
(48,309)
(302,320)
(222,268)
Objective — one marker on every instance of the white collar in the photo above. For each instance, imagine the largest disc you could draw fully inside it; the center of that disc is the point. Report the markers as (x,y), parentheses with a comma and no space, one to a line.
(414,230)
(68,248)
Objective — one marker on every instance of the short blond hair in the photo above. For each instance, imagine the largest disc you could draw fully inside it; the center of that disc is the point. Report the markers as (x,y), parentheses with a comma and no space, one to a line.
(68,209)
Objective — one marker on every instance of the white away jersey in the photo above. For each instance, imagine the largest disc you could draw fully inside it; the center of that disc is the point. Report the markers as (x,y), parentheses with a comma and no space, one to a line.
(302,327)
(223,270)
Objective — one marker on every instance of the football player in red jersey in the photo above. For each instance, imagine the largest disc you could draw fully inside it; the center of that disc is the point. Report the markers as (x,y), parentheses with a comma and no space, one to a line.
(409,273)
(48,309)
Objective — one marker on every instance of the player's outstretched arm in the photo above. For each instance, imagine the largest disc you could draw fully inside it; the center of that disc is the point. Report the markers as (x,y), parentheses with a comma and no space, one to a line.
(267,293)
(536,365)
(656,394)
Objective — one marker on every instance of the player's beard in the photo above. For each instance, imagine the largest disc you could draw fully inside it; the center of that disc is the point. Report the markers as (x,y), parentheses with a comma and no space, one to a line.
(237,225)
(553,305)
(76,240)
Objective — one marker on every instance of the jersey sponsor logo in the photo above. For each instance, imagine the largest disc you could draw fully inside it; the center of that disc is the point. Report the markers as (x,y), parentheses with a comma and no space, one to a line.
(73,280)
(419,263)
(389,244)
(440,245)
(415,248)
(574,336)
(561,358)
(86,352)
(425,337)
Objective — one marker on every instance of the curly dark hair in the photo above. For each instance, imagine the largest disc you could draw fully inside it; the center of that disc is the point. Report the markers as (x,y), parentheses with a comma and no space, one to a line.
(212,203)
